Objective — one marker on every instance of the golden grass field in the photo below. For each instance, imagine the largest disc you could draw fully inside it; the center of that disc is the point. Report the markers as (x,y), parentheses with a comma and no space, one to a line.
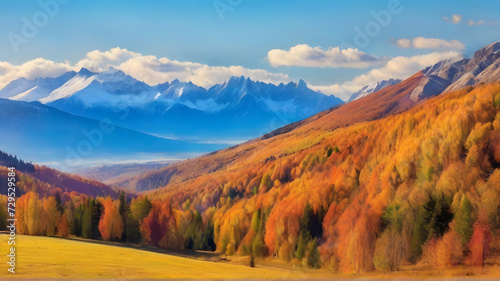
(50,258)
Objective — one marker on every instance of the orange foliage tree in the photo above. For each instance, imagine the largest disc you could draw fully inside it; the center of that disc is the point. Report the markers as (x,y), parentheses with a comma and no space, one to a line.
(62,227)
(479,243)
(111,223)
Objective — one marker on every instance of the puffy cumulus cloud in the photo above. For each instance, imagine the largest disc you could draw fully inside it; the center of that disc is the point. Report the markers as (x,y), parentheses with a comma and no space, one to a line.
(403,43)
(32,69)
(398,68)
(149,69)
(334,57)
(455,19)
(153,70)
(429,43)
(98,61)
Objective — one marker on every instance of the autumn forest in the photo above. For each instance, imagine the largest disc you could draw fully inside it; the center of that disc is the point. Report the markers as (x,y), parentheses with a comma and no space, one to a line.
(420,186)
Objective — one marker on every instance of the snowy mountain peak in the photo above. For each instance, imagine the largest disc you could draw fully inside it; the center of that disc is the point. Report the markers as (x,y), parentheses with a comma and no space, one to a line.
(85,72)
(114,75)
(237,79)
(372,88)
(75,84)
(113,71)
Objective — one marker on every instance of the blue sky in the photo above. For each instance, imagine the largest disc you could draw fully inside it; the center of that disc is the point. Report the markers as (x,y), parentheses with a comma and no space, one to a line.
(193,31)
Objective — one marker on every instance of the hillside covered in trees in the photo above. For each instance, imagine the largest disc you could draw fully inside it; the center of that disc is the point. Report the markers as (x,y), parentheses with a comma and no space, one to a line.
(418,187)
(374,195)
(47,181)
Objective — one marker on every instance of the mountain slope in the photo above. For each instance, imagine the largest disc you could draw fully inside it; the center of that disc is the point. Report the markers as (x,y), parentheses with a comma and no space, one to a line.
(32,90)
(44,134)
(448,76)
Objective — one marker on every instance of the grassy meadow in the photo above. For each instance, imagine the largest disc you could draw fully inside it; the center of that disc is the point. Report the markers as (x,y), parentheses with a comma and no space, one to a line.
(48,257)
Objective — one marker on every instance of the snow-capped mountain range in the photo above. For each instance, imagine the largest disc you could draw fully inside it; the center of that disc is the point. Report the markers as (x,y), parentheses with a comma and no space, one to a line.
(239,108)
(372,88)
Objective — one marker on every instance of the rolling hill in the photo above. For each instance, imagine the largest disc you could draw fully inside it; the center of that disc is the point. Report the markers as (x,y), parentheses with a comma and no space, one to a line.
(46,181)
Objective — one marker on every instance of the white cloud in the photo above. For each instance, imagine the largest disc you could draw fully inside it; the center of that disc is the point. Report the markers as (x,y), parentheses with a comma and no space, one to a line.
(154,70)
(479,22)
(455,19)
(429,43)
(403,43)
(482,22)
(149,69)
(334,57)
(98,61)
(398,68)
(32,69)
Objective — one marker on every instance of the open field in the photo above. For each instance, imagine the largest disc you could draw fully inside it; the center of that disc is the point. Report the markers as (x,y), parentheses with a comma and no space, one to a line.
(47,258)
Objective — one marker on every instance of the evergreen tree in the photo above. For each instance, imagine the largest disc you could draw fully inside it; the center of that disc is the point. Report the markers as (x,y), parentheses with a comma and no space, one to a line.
(60,207)
(313,258)
(463,218)
(87,219)
(77,220)
(123,210)
(96,217)
(301,247)
(132,229)
(431,219)
(208,237)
